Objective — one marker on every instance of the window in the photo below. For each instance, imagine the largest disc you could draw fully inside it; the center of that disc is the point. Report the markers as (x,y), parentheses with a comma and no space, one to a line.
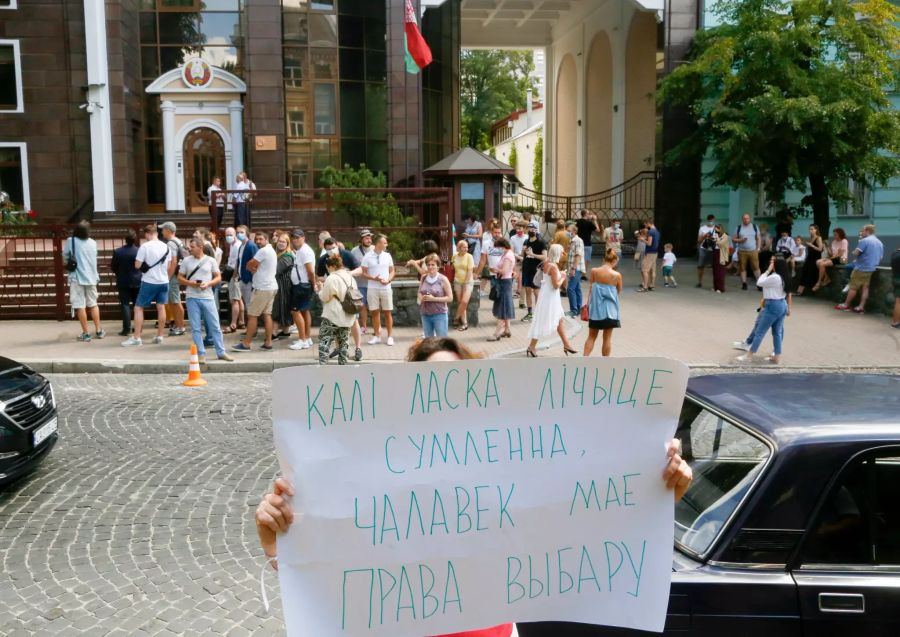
(726,461)
(10,78)
(859,523)
(14,174)
(860,203)
(296,126)
(325,109)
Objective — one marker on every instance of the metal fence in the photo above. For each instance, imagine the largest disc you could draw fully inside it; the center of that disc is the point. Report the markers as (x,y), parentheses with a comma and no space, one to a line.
(34,283)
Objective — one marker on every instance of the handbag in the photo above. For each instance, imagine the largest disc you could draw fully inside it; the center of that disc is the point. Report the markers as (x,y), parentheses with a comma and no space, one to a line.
(352,302)
(494,294)
(71,263)
(584,313)
(538,277)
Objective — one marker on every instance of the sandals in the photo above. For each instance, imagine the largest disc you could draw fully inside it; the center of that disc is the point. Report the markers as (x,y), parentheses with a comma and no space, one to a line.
(229,329)
(462,328)
(493,339)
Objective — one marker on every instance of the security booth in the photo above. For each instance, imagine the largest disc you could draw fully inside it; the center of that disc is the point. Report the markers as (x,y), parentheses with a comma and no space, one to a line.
(477,181)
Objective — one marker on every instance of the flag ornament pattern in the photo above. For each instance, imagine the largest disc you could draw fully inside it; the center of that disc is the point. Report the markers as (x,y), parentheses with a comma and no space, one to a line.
(418,54)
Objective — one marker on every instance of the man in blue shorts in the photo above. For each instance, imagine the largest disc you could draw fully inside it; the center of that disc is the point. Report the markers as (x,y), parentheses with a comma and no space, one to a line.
(154,260)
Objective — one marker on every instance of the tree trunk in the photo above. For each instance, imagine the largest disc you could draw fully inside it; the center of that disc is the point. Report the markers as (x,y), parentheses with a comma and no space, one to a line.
(818,189)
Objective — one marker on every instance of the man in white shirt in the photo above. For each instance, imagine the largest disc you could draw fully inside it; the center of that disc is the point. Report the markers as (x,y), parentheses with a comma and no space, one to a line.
(490,256)
(176,247)
(747,240)
(303,284)
(154,260)
(359,252)
(378,269)
(239,201)
(265,287)
(216,199)
(517,243)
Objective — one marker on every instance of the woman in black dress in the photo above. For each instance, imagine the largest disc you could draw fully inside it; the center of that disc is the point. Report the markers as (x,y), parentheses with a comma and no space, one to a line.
(809,275)
(281,309)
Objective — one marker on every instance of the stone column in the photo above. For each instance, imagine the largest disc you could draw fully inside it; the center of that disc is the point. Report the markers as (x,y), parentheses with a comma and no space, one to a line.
(236,113)
(97,97)
(168,124)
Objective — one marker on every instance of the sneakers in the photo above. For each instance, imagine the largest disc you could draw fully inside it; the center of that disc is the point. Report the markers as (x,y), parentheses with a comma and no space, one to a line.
(390,341)
(84,338)
(132,342)
(298,345)
(357,355)
(858,310)
(292,329)
(674,285)
(843,307)
(375,340)
(743,359)
(641,289)
(528,318)
(665,285)
(157,340)
(845,289)
(240,347)
(226,358)
(100,334)
(741,345)
(176,331)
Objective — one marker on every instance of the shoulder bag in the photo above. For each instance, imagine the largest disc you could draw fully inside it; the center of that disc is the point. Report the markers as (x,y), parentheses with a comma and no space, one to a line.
(352,302)
(71,262)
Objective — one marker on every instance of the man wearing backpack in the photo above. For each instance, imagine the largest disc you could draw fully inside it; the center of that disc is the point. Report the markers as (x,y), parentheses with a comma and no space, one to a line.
(746,237)
(157,266)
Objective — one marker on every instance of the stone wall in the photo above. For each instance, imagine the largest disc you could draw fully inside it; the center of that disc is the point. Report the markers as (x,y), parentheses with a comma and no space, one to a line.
(406,310)
(881,290)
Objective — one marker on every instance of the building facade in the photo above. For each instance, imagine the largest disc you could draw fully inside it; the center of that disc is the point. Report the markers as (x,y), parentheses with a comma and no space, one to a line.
(514,140)
(133,106)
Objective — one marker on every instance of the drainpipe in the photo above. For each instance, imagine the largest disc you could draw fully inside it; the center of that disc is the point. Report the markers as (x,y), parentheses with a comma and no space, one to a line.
(97,105)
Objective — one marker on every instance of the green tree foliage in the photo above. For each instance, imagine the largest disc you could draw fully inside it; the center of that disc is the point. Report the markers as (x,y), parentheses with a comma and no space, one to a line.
(513,157)
(538,181)
(493,83)
(492,152)
(375,210)
(793,95)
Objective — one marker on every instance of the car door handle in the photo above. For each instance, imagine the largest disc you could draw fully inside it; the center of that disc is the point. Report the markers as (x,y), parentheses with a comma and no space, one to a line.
(842,603)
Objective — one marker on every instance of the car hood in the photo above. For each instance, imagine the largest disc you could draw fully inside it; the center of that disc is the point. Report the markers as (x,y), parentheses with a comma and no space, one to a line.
(17,379)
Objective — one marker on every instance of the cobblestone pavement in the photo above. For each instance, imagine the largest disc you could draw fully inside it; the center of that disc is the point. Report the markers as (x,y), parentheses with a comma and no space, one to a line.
(140,521)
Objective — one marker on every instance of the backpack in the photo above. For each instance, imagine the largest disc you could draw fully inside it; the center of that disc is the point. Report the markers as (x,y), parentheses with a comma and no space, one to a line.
(737,232)
(352,302)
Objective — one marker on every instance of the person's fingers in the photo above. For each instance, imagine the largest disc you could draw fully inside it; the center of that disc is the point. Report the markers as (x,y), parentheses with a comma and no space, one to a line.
(283,486)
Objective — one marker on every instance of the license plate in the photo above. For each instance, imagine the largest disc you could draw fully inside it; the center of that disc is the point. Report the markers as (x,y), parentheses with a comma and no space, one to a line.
(44,431)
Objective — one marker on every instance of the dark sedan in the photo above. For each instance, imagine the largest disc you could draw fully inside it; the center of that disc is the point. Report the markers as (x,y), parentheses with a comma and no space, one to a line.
(792,523)
(28,420)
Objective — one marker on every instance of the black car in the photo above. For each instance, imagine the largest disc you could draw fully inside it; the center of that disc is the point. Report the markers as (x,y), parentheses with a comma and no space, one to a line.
(792,523)
(28,420)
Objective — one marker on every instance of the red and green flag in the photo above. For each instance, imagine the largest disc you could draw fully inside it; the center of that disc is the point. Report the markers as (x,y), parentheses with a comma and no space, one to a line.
(418,55)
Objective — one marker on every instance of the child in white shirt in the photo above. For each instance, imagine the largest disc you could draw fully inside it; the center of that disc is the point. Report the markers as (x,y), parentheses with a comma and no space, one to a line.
(668,266)
(798,254)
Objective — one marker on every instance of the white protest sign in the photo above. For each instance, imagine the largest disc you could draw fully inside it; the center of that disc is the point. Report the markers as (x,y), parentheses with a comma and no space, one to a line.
(440,497)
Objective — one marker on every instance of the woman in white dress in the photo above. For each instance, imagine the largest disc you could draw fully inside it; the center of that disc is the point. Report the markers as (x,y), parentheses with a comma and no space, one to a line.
(548,313)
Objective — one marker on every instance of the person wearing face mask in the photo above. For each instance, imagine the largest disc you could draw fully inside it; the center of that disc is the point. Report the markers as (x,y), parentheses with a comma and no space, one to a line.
(706,244)
(517,243)
(533,257)
(246,252)
(587,225)
(331,247)
(232,275)
(574,268)
(613,236)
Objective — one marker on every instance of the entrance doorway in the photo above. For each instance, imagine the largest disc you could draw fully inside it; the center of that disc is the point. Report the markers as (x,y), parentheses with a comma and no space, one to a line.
(204,158)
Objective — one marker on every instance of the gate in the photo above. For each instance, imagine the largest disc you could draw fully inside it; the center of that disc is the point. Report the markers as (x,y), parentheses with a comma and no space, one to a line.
(632,202)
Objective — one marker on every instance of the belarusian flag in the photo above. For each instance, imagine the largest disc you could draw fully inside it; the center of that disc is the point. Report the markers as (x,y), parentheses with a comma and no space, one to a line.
(418,55)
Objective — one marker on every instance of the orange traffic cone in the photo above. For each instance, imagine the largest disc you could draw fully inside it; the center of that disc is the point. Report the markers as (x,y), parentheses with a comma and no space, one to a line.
(194,379)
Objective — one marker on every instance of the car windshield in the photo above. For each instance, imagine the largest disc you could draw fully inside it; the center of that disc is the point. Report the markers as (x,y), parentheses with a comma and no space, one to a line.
(726,460)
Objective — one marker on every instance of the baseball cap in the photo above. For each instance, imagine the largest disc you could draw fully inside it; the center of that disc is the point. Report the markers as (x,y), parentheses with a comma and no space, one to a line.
(297,232)
(168,225)
(534,224)
(365,232)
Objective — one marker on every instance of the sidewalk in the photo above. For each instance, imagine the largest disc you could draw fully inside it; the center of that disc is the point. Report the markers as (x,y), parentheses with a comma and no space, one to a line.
(694,325)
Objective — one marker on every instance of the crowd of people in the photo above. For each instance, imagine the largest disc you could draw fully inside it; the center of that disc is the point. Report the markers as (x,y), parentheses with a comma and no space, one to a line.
(270,281)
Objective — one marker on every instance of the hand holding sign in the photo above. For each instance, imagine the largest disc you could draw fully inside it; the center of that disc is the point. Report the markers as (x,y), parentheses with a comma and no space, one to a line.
(447,496)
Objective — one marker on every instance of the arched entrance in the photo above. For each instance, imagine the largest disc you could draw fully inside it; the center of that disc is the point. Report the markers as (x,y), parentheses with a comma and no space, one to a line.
(204,158)
(566,126)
